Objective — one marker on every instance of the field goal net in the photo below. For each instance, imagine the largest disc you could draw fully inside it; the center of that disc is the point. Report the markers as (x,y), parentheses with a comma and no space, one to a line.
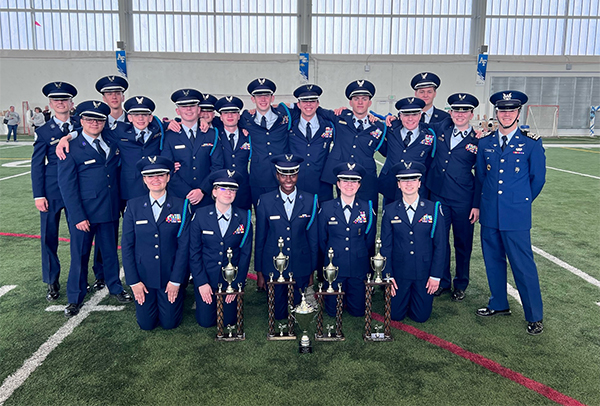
(542,119)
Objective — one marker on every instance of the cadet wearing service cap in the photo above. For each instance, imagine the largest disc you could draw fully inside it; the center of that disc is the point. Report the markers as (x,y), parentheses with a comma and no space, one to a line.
(88,181)
(310,138)
(450,180)
(289,213)
(511,165)
(44,178)
(408,140)
(349,226)
(412,235)
(155,247)
(113,89)
(425,85)
(207,108)
(215,229)
(198,153)
(356,139)
(235,145)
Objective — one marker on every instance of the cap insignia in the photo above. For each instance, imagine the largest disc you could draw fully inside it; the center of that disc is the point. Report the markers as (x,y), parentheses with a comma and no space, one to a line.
(423,75)
(289,157)
(229,98)
(58,84)
(152,159)
(96,104)
(140,100)
(461,96)
(351,166)
(185,92)
(411,100)
(507,96)
(230,173)
(408,165)
(111,78)
(261,81)
(309,87)
(360,82)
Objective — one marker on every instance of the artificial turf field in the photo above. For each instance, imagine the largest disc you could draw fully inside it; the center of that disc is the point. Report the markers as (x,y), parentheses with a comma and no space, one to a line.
(454,358)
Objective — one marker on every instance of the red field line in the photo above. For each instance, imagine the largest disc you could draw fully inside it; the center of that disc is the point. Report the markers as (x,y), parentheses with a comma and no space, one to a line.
(480,360)
(37,237)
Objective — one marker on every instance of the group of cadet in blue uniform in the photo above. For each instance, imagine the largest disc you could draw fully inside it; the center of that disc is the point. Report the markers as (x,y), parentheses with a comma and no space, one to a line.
(115,159)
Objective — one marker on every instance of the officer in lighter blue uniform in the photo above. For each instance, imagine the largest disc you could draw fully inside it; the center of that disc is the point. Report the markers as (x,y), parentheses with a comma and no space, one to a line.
(268,131)
(88,181)
(198,153)
(412,235)
(356,139)
(511,166)
(290,213)
(44,179)
(450,181)
(408,140)
(214,230)
(235,144)
(349,226)
(425,85)
(155,247)
(310,138)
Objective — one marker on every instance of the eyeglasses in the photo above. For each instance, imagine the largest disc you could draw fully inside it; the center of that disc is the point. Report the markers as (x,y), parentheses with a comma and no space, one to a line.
(93,120)
(226,189)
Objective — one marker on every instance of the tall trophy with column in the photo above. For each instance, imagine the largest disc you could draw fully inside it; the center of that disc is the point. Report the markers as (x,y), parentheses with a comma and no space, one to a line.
(280,262)
(330,273)
(378,263)
(235,332)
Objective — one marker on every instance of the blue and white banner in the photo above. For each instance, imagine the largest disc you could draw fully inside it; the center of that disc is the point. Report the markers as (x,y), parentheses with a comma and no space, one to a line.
(121,62)
(593,112)
(482,61)
(304,65)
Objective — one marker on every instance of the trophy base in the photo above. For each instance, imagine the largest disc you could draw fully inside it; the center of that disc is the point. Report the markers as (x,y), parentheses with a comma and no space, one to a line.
(377,337)
(305,349)
(232,338)
(332,338)
(284,337)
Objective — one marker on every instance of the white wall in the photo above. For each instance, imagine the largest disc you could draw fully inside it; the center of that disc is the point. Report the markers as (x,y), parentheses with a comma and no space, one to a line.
(23,73)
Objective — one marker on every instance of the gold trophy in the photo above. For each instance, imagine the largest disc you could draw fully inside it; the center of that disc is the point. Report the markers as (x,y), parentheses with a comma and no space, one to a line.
(229,272)
(378,262)
(304,314)
(281,262)
(330,271)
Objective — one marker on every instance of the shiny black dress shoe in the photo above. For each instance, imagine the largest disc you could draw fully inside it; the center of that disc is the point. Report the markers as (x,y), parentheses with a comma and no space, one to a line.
(458,295)
(99,285)
(72,310)
(123,297)
(440,291)
(535,328)
(487,312)
(53,291)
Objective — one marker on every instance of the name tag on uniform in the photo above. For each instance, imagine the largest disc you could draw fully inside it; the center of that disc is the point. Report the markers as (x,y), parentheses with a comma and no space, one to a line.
(396,221)
(141,222)
(91,161)
(274,217)
(208,232)
(124,140)
(342,122)
(333,223)
(54,142)
(179,146)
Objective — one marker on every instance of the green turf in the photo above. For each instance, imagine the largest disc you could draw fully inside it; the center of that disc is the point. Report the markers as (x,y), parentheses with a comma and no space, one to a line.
(108,360)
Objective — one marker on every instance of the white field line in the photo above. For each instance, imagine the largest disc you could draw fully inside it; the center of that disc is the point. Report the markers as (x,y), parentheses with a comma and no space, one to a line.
(15,176)
(6,288)
(574,173)
(15,146)
(14,381)
(566,266)
(514,293)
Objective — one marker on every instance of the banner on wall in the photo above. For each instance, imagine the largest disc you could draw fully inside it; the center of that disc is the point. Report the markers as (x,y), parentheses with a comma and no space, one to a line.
(121,63)
(304,65)
(482,61)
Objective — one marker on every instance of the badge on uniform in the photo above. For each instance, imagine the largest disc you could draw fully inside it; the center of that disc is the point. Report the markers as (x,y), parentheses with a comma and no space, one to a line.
(285,119)
(179,146)
(396,220)
(362,218)
(304,216)
(516,151)
(428,140)
(173,218)
(207,144)
(245,146)
(239,230)
(89,162)
(472,148)
(328,133)
(54,142)
(376,134)
(427,218)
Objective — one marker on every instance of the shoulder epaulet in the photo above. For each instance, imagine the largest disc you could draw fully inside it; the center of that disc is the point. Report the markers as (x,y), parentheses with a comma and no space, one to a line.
(533,136)
(485,134)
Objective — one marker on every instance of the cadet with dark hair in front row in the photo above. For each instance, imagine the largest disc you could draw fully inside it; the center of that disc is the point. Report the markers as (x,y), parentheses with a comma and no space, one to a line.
(450,181)
(412,235)
(88,183)
(155,247)
(511,166)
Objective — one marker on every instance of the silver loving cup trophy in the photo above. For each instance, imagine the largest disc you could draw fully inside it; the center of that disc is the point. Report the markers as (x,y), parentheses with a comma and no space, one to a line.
(230,272)
(378,262)
(330,271)
(281,262)
(304,314)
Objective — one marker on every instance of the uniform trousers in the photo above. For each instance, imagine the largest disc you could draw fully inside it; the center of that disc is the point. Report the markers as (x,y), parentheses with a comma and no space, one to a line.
(98,266)
(81,246)
(50,221)
(516,244)
(354,299)
(158,310)
(457,216)
(412,300)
